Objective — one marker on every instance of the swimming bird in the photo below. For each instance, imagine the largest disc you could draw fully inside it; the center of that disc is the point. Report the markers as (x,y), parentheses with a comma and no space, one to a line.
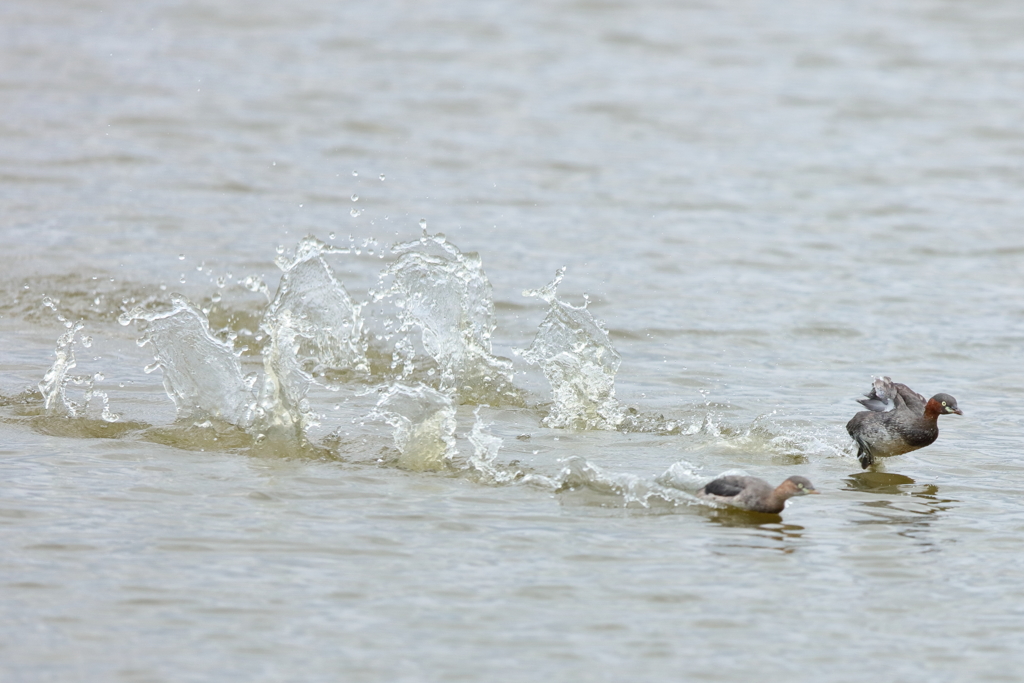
(897,420)
(757,495)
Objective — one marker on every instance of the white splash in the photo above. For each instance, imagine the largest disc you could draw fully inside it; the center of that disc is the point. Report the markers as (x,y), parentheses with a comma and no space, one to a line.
(201,374)
(682,476)
(578,360)
(484,460)
(446,295)
(57,379)
(424,423)
(616,489)
(53,387)
(314,328)
(326,324)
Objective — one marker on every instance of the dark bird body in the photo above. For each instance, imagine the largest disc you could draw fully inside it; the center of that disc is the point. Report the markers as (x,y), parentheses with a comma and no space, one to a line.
(897,420)
(751,493)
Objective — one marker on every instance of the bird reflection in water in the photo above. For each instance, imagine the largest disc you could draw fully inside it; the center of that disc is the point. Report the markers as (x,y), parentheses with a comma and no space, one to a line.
(913,506)
(768,530)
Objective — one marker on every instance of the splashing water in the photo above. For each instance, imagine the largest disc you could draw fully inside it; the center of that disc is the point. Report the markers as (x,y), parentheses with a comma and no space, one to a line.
(315,335)
(578,360)
(594,486)
(282,412)
(424,423)
(795,440)
(313,327)
(446,294)
(201,374)
(57,379)
(315,330)
(485,453)
(53,387)
(327,324)
(683,476)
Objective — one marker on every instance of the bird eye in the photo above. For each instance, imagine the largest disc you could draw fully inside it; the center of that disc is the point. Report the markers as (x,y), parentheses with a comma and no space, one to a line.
(943,403)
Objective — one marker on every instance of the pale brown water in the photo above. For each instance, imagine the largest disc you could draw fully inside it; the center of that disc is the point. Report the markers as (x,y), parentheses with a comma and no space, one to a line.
(768,204)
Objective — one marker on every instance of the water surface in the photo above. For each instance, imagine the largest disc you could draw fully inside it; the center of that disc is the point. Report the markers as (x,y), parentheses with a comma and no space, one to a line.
(763,206)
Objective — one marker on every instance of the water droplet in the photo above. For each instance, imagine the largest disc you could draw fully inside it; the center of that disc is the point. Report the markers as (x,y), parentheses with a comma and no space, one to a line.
(200,267)
(355,174)
(152,367)
(163,288)
(423,223)
(355,197)
(354,213)
(382,177)
(330,235)
(98,377)
(182,278)
(215,298)
(280,249)
(86,341)
(181,257)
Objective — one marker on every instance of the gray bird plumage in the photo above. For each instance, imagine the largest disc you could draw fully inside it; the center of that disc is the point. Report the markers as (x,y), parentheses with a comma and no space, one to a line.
(897,420)
(751,493)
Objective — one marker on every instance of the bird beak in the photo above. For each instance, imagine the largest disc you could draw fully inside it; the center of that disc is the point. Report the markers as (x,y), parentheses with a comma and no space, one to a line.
(813,491)
(958,411)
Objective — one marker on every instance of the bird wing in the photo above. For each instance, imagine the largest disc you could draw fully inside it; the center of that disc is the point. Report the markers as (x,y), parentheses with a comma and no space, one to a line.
(882,396)
(725,486)
(914,400)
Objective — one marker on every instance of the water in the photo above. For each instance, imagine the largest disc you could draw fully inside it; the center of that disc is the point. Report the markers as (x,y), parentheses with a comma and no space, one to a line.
(366,455)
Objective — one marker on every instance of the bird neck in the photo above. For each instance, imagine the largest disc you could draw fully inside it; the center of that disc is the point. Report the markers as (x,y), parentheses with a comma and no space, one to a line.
(932,410)
(777,499)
